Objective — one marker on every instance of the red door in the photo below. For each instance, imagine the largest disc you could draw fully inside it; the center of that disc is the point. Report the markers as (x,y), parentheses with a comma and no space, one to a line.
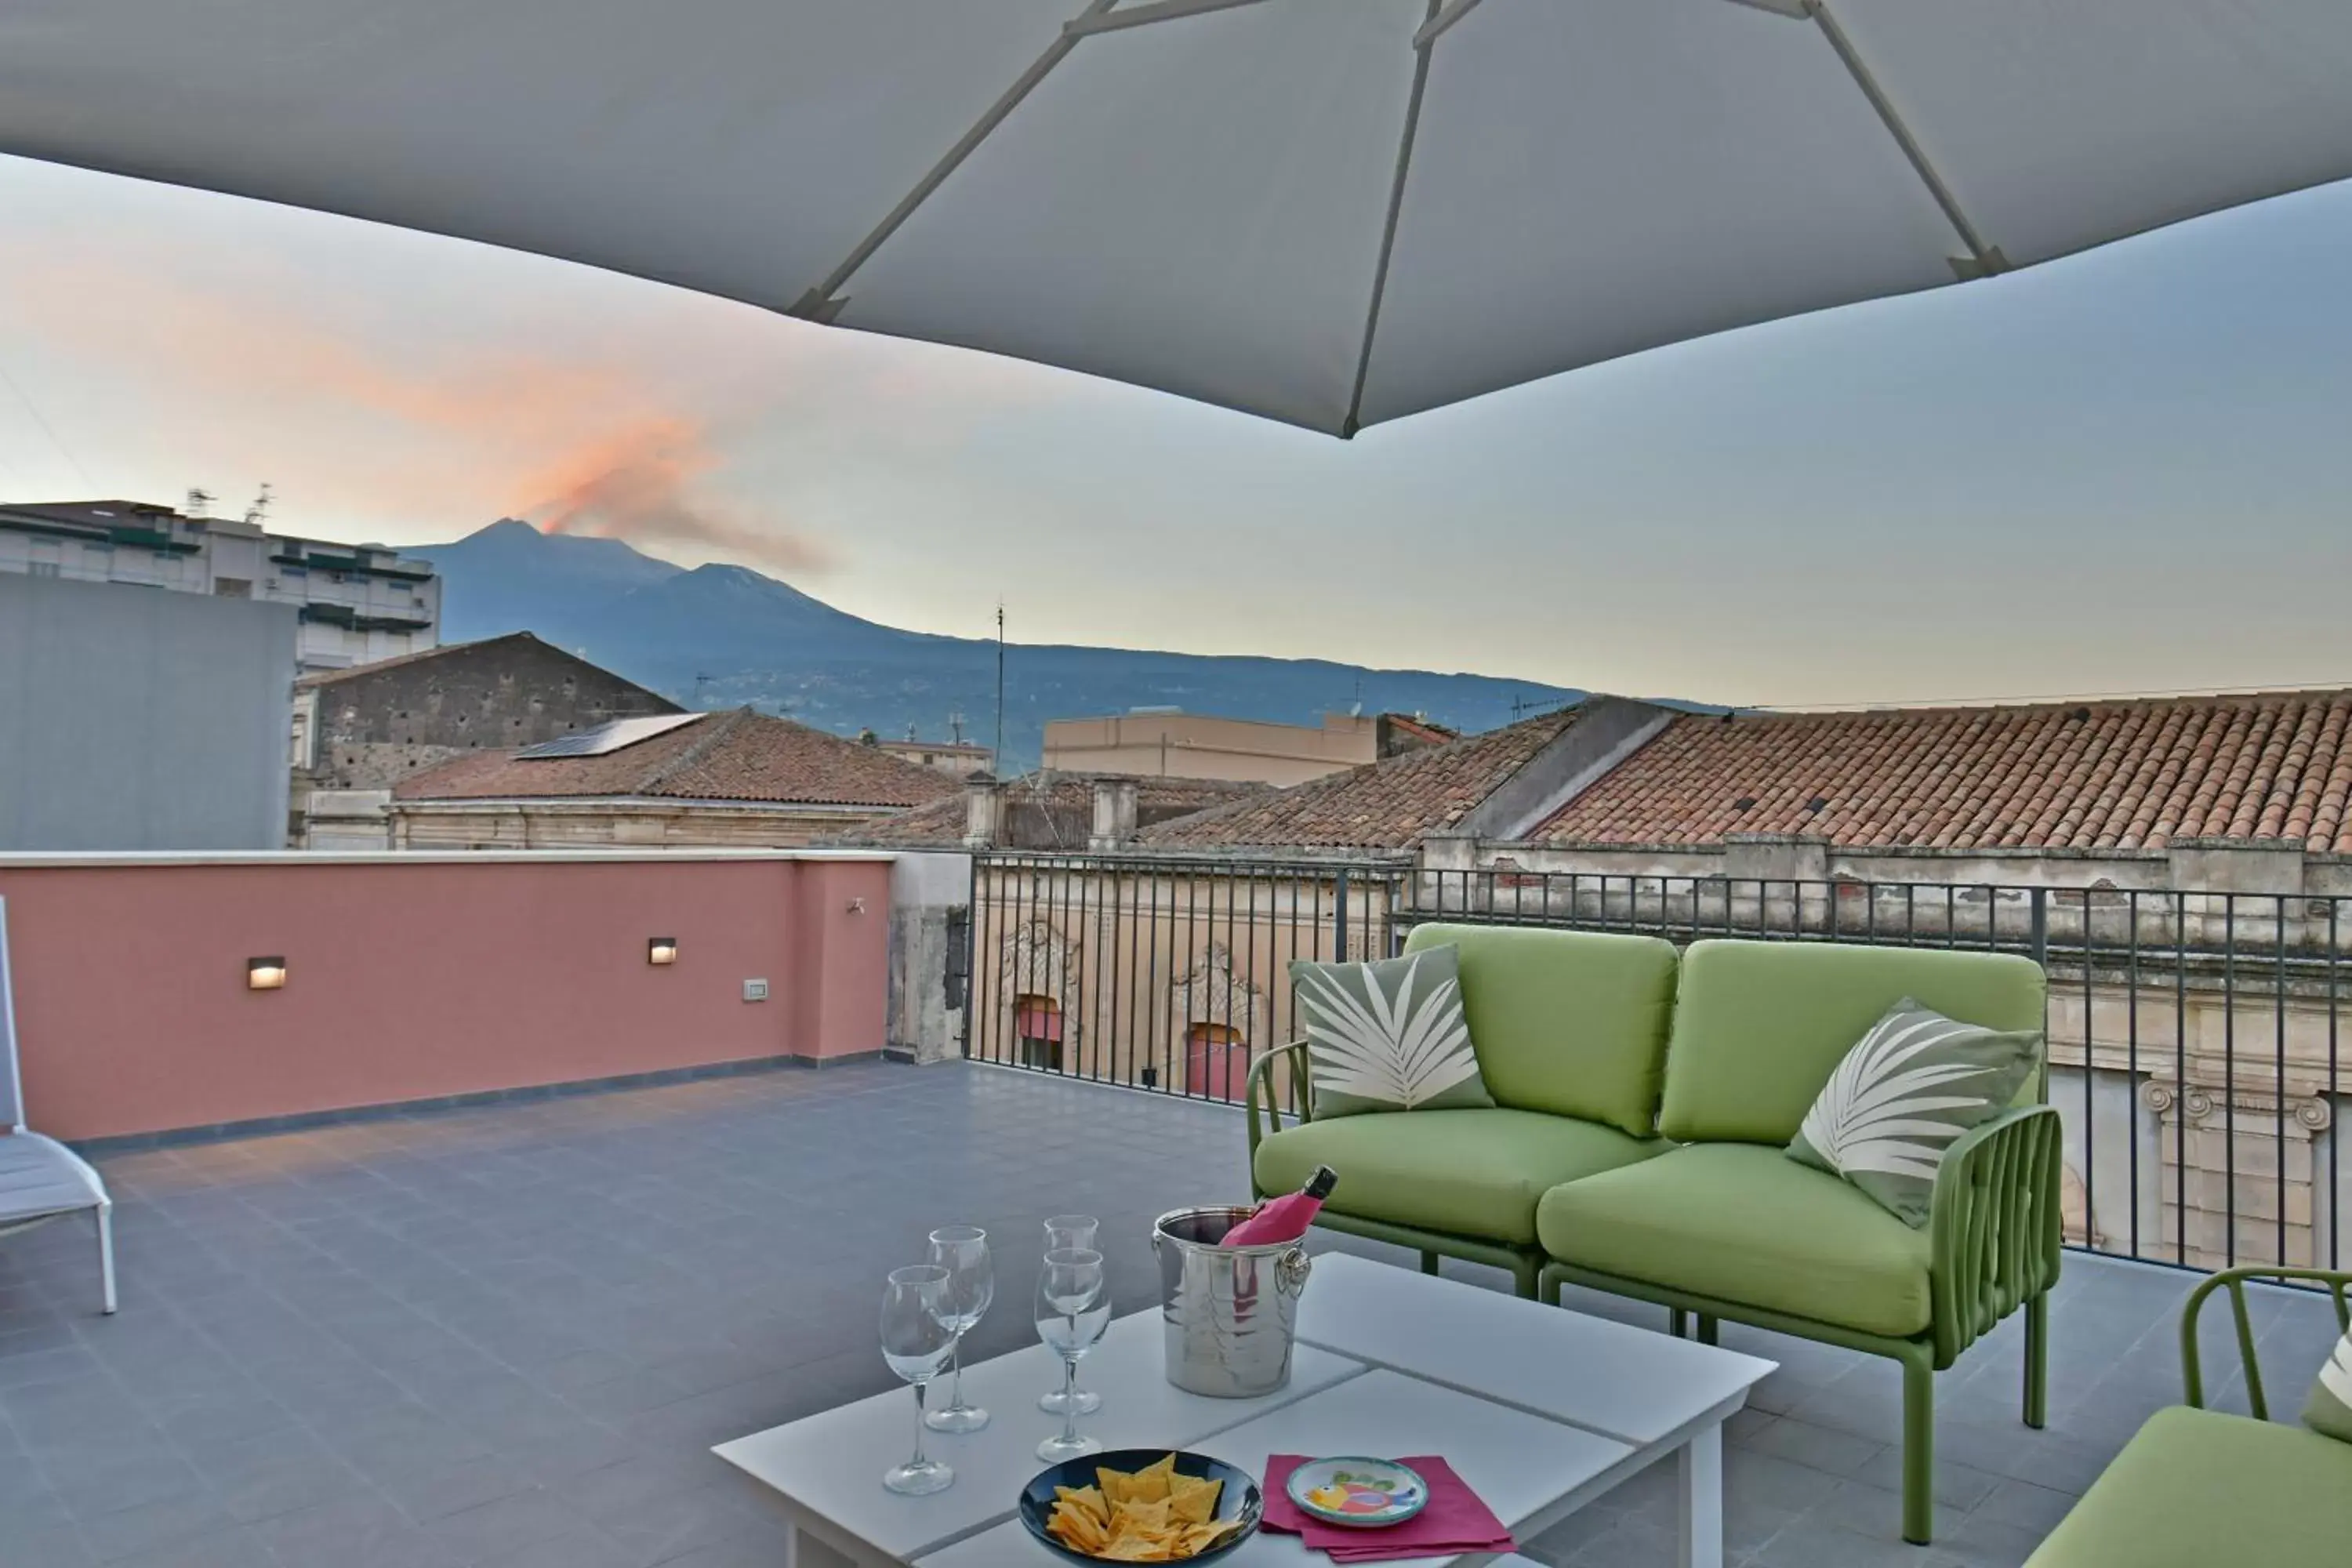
(1216,1061)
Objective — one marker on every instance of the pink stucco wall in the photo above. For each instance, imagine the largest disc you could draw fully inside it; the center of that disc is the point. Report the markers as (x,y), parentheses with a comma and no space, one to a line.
(411,977)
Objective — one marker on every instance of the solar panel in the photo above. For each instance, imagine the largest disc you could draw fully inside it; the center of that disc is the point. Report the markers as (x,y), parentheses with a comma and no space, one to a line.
(606,737)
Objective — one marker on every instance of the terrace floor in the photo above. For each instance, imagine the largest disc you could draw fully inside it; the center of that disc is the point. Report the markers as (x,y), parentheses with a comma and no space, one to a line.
(509,1335)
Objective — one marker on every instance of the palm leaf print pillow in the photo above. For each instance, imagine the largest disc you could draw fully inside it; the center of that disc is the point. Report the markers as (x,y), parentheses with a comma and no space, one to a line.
(1387,1035)
(1901,1098)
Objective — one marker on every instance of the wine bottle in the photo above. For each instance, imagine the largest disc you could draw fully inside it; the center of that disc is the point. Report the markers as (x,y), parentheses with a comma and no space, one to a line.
(1284,1218)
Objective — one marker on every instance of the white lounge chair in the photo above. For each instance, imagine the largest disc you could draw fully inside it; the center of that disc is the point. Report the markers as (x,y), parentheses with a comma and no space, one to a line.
(40,1178)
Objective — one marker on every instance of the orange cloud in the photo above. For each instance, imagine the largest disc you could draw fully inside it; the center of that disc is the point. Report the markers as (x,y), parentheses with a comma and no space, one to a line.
(574,443)
(637,483)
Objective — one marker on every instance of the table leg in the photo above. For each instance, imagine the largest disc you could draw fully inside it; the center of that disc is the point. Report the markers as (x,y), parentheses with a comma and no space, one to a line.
(1699,1489)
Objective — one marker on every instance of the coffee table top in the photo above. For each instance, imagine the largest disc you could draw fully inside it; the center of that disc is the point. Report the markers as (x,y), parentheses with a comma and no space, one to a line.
(1539,1408)
(1609,1378)
(1520,1464)
(829,1465)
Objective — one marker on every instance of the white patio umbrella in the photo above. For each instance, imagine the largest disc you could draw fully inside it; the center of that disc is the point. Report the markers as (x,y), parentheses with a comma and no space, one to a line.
(1328,212)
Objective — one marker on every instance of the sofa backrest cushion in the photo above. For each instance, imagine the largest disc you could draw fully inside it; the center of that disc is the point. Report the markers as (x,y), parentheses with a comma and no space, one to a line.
(1758,1027)
(1573,1023)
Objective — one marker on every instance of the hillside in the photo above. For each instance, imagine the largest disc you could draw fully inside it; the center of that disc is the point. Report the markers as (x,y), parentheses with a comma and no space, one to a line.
(720,635)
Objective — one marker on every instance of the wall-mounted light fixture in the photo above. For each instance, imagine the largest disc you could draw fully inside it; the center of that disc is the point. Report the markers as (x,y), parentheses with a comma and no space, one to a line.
(661,950)
(265,975)
(858,905)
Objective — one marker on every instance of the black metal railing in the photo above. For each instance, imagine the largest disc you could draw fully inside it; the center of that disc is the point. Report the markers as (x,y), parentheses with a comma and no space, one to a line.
(2194,1037)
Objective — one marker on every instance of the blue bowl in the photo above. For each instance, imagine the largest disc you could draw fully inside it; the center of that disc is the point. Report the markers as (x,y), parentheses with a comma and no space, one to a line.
(1239,1504)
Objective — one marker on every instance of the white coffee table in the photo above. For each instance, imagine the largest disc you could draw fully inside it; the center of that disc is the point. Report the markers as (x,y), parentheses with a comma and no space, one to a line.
(1539,1409)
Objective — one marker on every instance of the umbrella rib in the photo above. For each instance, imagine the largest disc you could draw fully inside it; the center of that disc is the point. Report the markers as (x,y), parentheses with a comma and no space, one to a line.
(1986,258)
(1349,426)
(819,303)
(1144,15)
(1434,29)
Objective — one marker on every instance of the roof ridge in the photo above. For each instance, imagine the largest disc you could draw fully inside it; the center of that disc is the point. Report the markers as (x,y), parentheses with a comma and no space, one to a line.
(2042,704)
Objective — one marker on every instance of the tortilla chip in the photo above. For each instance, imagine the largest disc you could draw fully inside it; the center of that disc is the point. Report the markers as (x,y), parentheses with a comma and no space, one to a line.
(1193,1500)
(1087,1500)
(1196,1539)
(1136,1517)
(1116,1486)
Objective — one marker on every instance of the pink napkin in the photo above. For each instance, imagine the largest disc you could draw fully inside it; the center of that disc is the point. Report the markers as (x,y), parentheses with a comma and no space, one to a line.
(1455,1521)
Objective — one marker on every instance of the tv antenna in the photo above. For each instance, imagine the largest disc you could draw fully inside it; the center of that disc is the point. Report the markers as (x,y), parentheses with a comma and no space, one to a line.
(996,758)
(1522,706)
(699,683)
(260,507)
(955,724)
(199,502)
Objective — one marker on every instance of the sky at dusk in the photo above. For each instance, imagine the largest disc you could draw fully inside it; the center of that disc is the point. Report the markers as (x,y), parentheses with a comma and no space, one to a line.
(2122,472)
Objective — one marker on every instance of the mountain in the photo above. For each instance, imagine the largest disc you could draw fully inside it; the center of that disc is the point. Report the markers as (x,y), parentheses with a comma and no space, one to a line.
(723,636)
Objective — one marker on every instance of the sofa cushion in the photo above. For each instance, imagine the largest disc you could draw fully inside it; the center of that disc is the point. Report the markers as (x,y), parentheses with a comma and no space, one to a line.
(1570,1022)
(1744,1223)
(2196,1487)
(1758,1027)
(1467,1173)
(1388,1034)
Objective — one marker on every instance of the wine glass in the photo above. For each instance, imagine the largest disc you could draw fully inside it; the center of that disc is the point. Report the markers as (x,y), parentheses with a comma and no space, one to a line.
(917,1343)
(1066,1231)
(962,1251)
(1073,1310)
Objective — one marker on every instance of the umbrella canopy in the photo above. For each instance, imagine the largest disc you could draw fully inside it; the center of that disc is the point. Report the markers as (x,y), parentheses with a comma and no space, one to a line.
(1328,212)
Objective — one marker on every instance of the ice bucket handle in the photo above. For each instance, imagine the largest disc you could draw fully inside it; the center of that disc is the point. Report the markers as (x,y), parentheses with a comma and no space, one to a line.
(1290,1271)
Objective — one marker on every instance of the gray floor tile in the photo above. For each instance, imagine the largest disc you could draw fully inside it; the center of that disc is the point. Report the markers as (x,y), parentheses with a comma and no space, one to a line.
(510,1333)
(500,1529)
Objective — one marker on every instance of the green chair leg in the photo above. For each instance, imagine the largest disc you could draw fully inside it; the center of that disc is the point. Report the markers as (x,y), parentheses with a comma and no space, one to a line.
(1677,1322)
(1919,1450)
(1705,1330)
(1429,1263)
(1524,1275)
(2037,1361)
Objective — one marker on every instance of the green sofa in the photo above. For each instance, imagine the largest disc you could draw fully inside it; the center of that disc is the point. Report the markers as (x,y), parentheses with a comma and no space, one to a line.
(1643,1100)
(2196,1487)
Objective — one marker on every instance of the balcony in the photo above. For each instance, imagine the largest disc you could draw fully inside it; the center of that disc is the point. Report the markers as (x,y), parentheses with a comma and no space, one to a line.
(436,1312)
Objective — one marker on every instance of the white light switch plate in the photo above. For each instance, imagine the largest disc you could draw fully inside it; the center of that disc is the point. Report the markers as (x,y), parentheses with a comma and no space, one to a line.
(755,990)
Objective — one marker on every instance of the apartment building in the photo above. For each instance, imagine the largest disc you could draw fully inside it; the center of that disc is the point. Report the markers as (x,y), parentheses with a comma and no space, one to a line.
(356,604)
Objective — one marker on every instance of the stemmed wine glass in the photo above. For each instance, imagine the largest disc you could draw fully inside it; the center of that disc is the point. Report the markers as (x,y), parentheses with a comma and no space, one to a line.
(962,1251)
(1066,1231)
(917,1343)
(1073,1310)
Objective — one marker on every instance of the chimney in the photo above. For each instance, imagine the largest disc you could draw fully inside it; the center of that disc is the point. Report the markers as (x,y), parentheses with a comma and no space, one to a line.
(1113,823)
(983,806)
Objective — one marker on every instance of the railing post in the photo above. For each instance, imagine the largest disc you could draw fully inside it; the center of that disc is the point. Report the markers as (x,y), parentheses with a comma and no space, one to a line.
(1339,922)
(2038,899)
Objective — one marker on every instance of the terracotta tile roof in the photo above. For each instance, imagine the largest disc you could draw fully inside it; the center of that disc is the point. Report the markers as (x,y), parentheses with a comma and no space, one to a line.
(1391,804)
(738,755)
(2102,775)
(1066,803)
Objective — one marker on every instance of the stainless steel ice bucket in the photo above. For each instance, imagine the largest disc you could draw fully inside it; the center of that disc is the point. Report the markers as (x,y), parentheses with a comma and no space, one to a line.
(1228,1312)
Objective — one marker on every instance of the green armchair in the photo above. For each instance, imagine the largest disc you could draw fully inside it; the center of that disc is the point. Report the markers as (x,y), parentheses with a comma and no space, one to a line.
(2196,1487)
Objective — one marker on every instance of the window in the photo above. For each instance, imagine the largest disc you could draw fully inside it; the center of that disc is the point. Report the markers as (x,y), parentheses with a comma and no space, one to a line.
(233,588)
(1037,1025)
(43,568)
